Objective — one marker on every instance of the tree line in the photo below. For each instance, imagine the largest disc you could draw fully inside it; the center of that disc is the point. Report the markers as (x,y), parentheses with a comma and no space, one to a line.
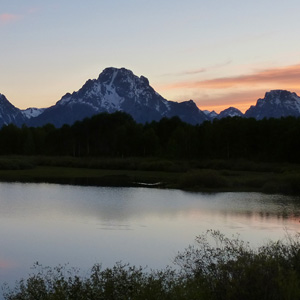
(118,135)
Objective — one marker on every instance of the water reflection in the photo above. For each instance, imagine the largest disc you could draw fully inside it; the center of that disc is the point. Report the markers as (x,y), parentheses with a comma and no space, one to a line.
(40,200)
(55,224)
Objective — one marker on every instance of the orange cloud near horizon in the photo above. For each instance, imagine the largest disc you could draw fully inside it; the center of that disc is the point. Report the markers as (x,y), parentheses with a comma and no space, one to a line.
(283,75)
(239,91)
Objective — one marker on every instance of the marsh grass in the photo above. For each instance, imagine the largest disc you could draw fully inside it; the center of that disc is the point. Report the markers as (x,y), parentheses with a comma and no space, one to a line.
(203,179)
(16,163)
(195,175)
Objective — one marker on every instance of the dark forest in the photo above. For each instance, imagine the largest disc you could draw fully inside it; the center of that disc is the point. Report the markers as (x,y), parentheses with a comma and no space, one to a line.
(118,135)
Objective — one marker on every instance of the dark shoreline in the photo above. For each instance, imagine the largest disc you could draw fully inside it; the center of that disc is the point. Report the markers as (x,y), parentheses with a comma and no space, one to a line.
(196,176)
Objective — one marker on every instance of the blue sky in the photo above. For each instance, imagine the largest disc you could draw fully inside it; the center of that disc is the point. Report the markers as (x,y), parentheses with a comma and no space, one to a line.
(218,53)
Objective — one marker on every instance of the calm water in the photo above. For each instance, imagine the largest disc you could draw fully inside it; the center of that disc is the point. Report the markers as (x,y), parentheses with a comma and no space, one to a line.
(57,224)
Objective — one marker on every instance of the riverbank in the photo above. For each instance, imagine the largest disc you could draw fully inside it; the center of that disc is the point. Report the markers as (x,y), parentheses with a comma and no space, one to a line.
(206,176)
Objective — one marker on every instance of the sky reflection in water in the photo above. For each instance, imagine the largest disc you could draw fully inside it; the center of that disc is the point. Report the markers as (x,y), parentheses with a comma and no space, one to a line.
(56,224)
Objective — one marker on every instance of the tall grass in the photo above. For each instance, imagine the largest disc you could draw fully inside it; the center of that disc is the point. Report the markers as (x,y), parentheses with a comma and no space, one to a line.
(198,175)
(16,163)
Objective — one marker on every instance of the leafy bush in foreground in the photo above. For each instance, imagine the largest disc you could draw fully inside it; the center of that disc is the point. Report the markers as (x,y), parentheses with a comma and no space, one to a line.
(229,269)
(216,267)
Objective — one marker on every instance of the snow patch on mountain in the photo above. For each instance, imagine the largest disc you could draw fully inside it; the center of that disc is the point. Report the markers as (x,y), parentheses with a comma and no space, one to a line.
(230,112)
(210,114)
(9,113)
(32,112)
(118,89)
(275,104)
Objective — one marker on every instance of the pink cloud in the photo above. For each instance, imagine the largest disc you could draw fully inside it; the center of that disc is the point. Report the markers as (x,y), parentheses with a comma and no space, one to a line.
(8,18)
(240,91)
(6,264)
(287,76)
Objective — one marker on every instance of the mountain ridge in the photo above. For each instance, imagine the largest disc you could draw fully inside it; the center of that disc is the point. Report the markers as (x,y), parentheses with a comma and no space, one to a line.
(9,114)
(119,89)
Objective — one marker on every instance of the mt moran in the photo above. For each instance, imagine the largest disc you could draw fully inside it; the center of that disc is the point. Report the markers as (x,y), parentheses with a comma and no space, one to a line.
(117,90)
(121,90)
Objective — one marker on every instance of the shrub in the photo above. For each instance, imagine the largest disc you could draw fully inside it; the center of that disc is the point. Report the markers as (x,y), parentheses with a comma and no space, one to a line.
(215,268)
(120,282)
(230,269)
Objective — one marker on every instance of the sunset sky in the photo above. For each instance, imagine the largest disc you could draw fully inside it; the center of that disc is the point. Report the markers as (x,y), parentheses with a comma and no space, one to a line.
(218,53)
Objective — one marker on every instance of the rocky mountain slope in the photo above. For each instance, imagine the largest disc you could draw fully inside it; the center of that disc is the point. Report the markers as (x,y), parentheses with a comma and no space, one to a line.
(9,114)
(275,104)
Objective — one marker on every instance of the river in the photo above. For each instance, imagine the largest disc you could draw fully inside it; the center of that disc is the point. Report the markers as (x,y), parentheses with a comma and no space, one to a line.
(57,224)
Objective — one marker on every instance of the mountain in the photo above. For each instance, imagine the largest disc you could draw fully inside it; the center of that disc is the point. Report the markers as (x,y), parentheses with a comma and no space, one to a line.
(32,112)
(210,114)
(120,90)
(230,112)
(275,104)
(187,111)
(117,90)
(9,113)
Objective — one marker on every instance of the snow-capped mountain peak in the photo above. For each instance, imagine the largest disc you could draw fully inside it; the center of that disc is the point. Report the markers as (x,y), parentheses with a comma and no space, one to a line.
(275,104)
(118,90)
(230,112)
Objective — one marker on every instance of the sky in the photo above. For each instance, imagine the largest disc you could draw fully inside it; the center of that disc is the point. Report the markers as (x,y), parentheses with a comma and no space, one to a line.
(215,52)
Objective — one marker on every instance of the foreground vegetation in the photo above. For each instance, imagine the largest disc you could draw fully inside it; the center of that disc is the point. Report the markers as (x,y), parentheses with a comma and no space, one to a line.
(215,268)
